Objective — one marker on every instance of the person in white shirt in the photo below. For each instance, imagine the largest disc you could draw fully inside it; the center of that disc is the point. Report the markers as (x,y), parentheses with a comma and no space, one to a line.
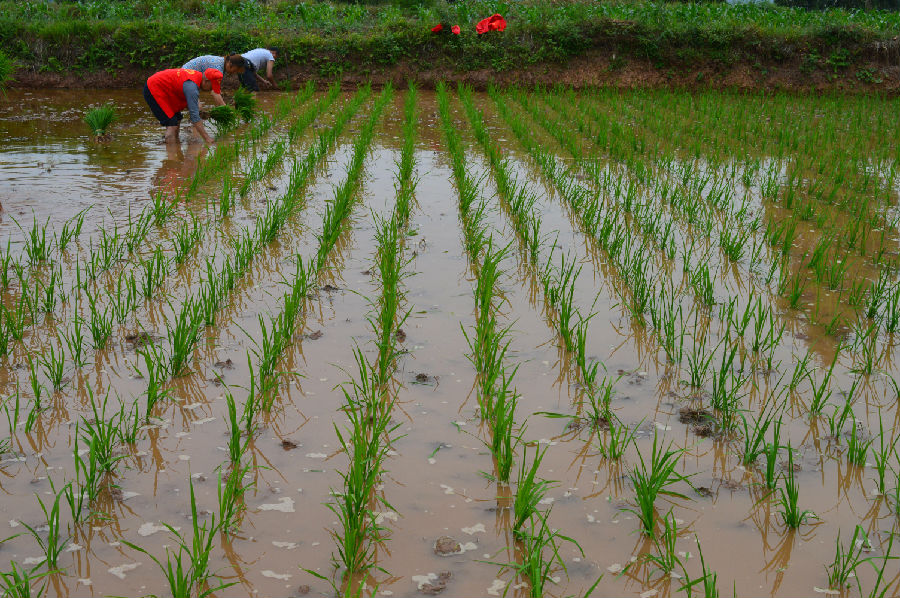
(257,60)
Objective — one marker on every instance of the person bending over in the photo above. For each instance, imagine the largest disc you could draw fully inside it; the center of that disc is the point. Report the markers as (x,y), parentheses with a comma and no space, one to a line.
(258,60)
(170,91)
(232,64)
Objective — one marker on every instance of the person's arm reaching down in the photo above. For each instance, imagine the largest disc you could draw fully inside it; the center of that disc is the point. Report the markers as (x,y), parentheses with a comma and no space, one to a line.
(192,95)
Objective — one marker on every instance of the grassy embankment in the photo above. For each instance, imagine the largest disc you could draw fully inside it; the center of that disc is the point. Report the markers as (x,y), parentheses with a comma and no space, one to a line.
(678,42)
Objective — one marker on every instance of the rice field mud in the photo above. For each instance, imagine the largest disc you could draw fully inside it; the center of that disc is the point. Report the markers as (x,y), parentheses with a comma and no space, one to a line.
(399,343)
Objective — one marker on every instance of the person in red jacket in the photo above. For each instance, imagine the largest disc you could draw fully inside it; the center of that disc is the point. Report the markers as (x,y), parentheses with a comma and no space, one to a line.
(171,91)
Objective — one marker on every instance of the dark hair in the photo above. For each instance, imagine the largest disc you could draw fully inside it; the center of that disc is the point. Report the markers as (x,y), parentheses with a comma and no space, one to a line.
(275,50)
(235,60)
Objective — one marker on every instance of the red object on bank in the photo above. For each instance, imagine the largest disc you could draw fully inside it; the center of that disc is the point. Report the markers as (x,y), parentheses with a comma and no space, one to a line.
(455,29)
(437,28)
(492,23)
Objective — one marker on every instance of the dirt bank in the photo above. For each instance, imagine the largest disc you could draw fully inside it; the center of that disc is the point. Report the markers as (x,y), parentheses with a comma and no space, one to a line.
(595,69)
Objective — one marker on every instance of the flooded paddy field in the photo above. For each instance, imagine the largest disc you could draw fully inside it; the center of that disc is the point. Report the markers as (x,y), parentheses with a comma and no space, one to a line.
(401,343)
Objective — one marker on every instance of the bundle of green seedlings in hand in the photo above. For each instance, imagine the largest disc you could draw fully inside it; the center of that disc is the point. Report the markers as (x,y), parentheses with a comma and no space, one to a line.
(98,119)
(245,104)
(225,117)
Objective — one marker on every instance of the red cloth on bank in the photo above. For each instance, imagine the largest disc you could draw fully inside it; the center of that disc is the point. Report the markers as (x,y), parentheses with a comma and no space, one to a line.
(492,23)
(437,28)
(455,29)
(167,88)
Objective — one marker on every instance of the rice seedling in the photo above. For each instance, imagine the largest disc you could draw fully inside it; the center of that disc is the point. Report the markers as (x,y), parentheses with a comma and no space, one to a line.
(99,120)
(789,494)
(37,244)
(187,571)
(708,581)
(54,366)
(245,104)
(614,441)
(821,392)
(101,436)
(71,230)
(540,557)
(881,454)
(101,322)
(224,117)
(363,443)
(666,557)
(771,454)
(155,375)
(754,436)
(184,335)
(857,448)
(230,493)
(652,477)
(877,591)
(503,445)
(530,490)
(54,544)
(19,582)
(847,560)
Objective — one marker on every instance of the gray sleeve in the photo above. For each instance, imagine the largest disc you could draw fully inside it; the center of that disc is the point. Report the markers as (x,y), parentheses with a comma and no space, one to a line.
(192,95)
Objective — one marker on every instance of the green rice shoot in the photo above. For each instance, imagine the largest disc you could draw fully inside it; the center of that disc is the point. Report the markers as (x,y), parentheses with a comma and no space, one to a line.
(224,117)
(245,104)
(99,119)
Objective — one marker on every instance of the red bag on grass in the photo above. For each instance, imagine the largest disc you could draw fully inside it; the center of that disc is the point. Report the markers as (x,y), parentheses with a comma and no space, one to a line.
(492,23)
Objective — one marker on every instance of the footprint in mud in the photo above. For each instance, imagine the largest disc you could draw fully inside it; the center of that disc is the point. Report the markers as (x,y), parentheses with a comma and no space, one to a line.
(224,365)
(436,586)
(288,444)
(447,546)
(423,378)
(138,340)
(702,422)
(314,336)
(401,335)
(330,288)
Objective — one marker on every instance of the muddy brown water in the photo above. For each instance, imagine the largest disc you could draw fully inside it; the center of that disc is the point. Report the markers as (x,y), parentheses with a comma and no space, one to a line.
(435,480)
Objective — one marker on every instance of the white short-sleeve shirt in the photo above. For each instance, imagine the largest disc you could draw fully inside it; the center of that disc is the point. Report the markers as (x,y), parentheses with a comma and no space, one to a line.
(259,57)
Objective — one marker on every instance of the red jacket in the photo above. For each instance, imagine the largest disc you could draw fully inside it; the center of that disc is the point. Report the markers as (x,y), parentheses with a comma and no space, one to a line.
(167,88)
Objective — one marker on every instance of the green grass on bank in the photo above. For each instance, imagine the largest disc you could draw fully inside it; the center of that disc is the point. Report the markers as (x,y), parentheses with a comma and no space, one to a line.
(335,37)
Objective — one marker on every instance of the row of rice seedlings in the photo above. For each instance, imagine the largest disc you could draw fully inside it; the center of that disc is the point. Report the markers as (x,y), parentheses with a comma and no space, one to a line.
(771,338)
(371,400)
(187,570)
(536,543)
(154,270)
(558,281)
(690,204)
(336,212)
(196,312)
(830,169)
(366,443)
(390,260)
(112,247)
(261,167)
(792,287)
(726,386)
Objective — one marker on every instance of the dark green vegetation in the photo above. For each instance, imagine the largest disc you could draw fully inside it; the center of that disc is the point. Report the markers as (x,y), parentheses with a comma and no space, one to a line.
(325,39)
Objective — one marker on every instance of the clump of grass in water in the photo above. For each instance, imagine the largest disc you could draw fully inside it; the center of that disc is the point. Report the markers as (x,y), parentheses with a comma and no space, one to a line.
(651,477)
(99,120)
(245,104)
(225,118)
